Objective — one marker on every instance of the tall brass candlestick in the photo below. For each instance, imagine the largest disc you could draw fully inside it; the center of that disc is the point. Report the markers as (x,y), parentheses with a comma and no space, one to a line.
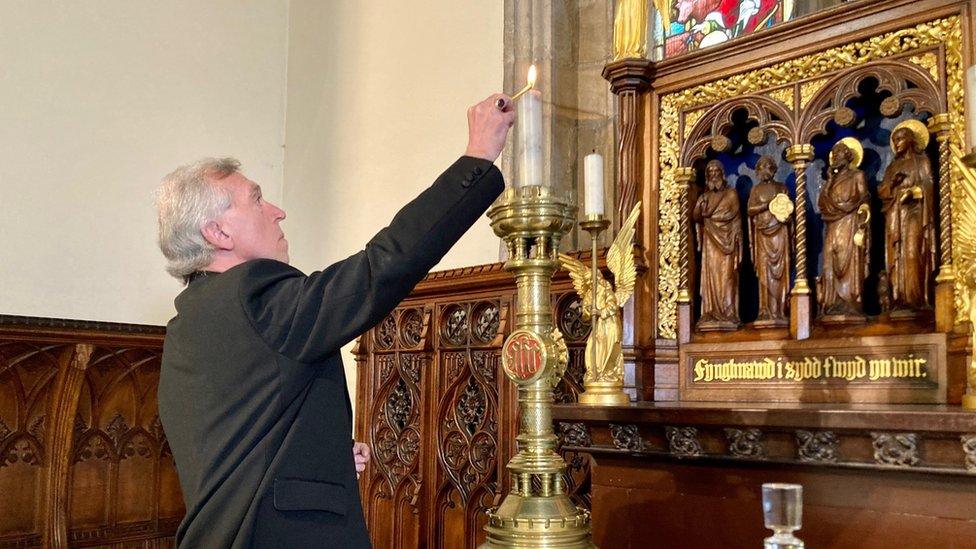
(537,512)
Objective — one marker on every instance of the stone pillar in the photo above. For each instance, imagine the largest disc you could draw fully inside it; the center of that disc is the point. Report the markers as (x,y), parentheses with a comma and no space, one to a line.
(801,307)
(945,306)
(569,41)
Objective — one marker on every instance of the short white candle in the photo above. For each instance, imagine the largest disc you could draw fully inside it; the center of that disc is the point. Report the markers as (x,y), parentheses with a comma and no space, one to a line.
(593,184)
(530,138)
(971,105)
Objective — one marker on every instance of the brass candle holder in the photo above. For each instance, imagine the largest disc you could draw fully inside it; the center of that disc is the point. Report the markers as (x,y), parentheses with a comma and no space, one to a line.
(598,391)
(603,383)
(536,512)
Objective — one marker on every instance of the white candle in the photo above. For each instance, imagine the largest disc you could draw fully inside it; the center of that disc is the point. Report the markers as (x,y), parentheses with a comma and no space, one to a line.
(593,184)
(971,105)
(530,138)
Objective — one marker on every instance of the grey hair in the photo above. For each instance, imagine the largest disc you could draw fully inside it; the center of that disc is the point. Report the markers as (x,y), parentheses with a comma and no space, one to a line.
(186,200)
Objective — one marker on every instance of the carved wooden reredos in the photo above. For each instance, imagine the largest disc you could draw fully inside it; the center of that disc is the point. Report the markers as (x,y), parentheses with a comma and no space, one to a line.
(918,72)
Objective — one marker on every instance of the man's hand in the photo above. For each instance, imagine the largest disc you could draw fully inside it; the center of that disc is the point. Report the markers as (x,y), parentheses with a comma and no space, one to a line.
(488,127)
(360,454)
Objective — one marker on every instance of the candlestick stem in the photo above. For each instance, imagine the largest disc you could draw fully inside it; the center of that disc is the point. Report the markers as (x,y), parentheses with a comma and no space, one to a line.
(594,224)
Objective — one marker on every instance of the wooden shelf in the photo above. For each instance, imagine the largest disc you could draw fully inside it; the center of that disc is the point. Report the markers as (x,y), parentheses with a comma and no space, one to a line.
(921,438)
(902,417)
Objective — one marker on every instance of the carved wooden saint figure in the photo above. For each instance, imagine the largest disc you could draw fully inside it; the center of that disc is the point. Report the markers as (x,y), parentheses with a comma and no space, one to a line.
(719,233)
(770,212)
(845,211)
(907,193)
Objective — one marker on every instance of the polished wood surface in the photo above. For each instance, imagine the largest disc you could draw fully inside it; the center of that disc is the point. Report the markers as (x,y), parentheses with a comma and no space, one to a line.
(685,504)
(83,458)
(689,474)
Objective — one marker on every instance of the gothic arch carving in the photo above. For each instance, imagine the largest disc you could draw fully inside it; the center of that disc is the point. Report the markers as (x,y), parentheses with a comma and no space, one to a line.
(906,82)
(710,131)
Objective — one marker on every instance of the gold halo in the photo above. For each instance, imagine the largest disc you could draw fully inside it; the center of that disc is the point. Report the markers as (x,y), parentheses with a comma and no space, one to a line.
(852,144)
(917,128)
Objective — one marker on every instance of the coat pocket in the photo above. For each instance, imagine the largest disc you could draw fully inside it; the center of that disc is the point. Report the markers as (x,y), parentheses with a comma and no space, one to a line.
(293,494)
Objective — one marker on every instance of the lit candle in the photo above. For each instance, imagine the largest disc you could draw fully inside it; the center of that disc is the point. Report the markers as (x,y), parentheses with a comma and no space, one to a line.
(593,184)
(530,134)
(971,105)
(530,138)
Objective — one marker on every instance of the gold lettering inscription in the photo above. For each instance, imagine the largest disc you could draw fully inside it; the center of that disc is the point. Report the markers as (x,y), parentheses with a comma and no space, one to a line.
(848,369)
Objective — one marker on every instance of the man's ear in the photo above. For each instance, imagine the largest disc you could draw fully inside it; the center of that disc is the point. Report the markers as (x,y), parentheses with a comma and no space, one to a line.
(216,236)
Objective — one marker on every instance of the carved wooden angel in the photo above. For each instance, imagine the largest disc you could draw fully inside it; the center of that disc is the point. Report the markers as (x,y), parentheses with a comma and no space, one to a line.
(604,357)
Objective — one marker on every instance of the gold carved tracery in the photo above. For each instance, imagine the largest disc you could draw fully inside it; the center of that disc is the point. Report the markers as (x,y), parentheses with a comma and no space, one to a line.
(696,118)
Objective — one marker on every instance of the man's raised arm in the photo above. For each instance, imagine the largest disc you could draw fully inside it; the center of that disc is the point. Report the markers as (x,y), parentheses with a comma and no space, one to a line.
(309,318)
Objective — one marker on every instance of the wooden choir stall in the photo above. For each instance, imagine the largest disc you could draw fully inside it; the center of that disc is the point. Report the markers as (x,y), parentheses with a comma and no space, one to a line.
(802,314)
(84,461)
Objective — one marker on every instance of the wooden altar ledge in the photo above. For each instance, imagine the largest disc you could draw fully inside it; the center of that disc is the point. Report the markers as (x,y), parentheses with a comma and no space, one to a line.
(679,474)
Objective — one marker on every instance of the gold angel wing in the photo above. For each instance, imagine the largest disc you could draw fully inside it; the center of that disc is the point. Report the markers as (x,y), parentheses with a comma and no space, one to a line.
(964,246)
(964,238)
(964,230)
(582,280)
(620,258)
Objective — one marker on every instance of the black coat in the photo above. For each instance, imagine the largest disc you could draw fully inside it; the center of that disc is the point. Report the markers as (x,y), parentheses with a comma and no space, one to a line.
(252,393)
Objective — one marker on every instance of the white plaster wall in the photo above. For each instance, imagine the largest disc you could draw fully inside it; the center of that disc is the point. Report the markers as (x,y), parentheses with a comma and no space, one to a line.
(377,95)
(98,101)
(342,110)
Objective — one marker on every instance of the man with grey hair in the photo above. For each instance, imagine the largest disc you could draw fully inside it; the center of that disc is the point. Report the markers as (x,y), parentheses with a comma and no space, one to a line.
(252,393)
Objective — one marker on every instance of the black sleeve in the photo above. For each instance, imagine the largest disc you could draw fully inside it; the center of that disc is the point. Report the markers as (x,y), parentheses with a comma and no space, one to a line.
(308,318)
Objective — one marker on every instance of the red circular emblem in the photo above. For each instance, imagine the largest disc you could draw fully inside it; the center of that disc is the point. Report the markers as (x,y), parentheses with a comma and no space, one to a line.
(523,355)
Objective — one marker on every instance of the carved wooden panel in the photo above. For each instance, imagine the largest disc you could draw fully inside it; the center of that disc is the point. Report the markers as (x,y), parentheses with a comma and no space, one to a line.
(460,406)
(466,420)
(83,458)
(123,478)
(27,373)
(575,329)
(393,483)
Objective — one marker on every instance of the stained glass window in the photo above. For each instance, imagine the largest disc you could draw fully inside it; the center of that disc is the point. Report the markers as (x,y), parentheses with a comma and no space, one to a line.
(683,26)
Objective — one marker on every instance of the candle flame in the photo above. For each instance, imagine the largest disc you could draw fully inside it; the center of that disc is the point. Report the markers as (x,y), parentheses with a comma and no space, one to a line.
(528,86)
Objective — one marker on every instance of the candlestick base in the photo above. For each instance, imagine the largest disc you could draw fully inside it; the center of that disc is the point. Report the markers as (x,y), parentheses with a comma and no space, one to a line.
(604,393)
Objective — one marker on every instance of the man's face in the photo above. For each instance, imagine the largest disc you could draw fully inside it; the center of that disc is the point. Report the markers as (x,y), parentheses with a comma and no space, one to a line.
(252,222)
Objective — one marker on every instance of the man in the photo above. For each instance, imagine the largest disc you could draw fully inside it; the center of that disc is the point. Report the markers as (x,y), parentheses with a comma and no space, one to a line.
(252,393)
